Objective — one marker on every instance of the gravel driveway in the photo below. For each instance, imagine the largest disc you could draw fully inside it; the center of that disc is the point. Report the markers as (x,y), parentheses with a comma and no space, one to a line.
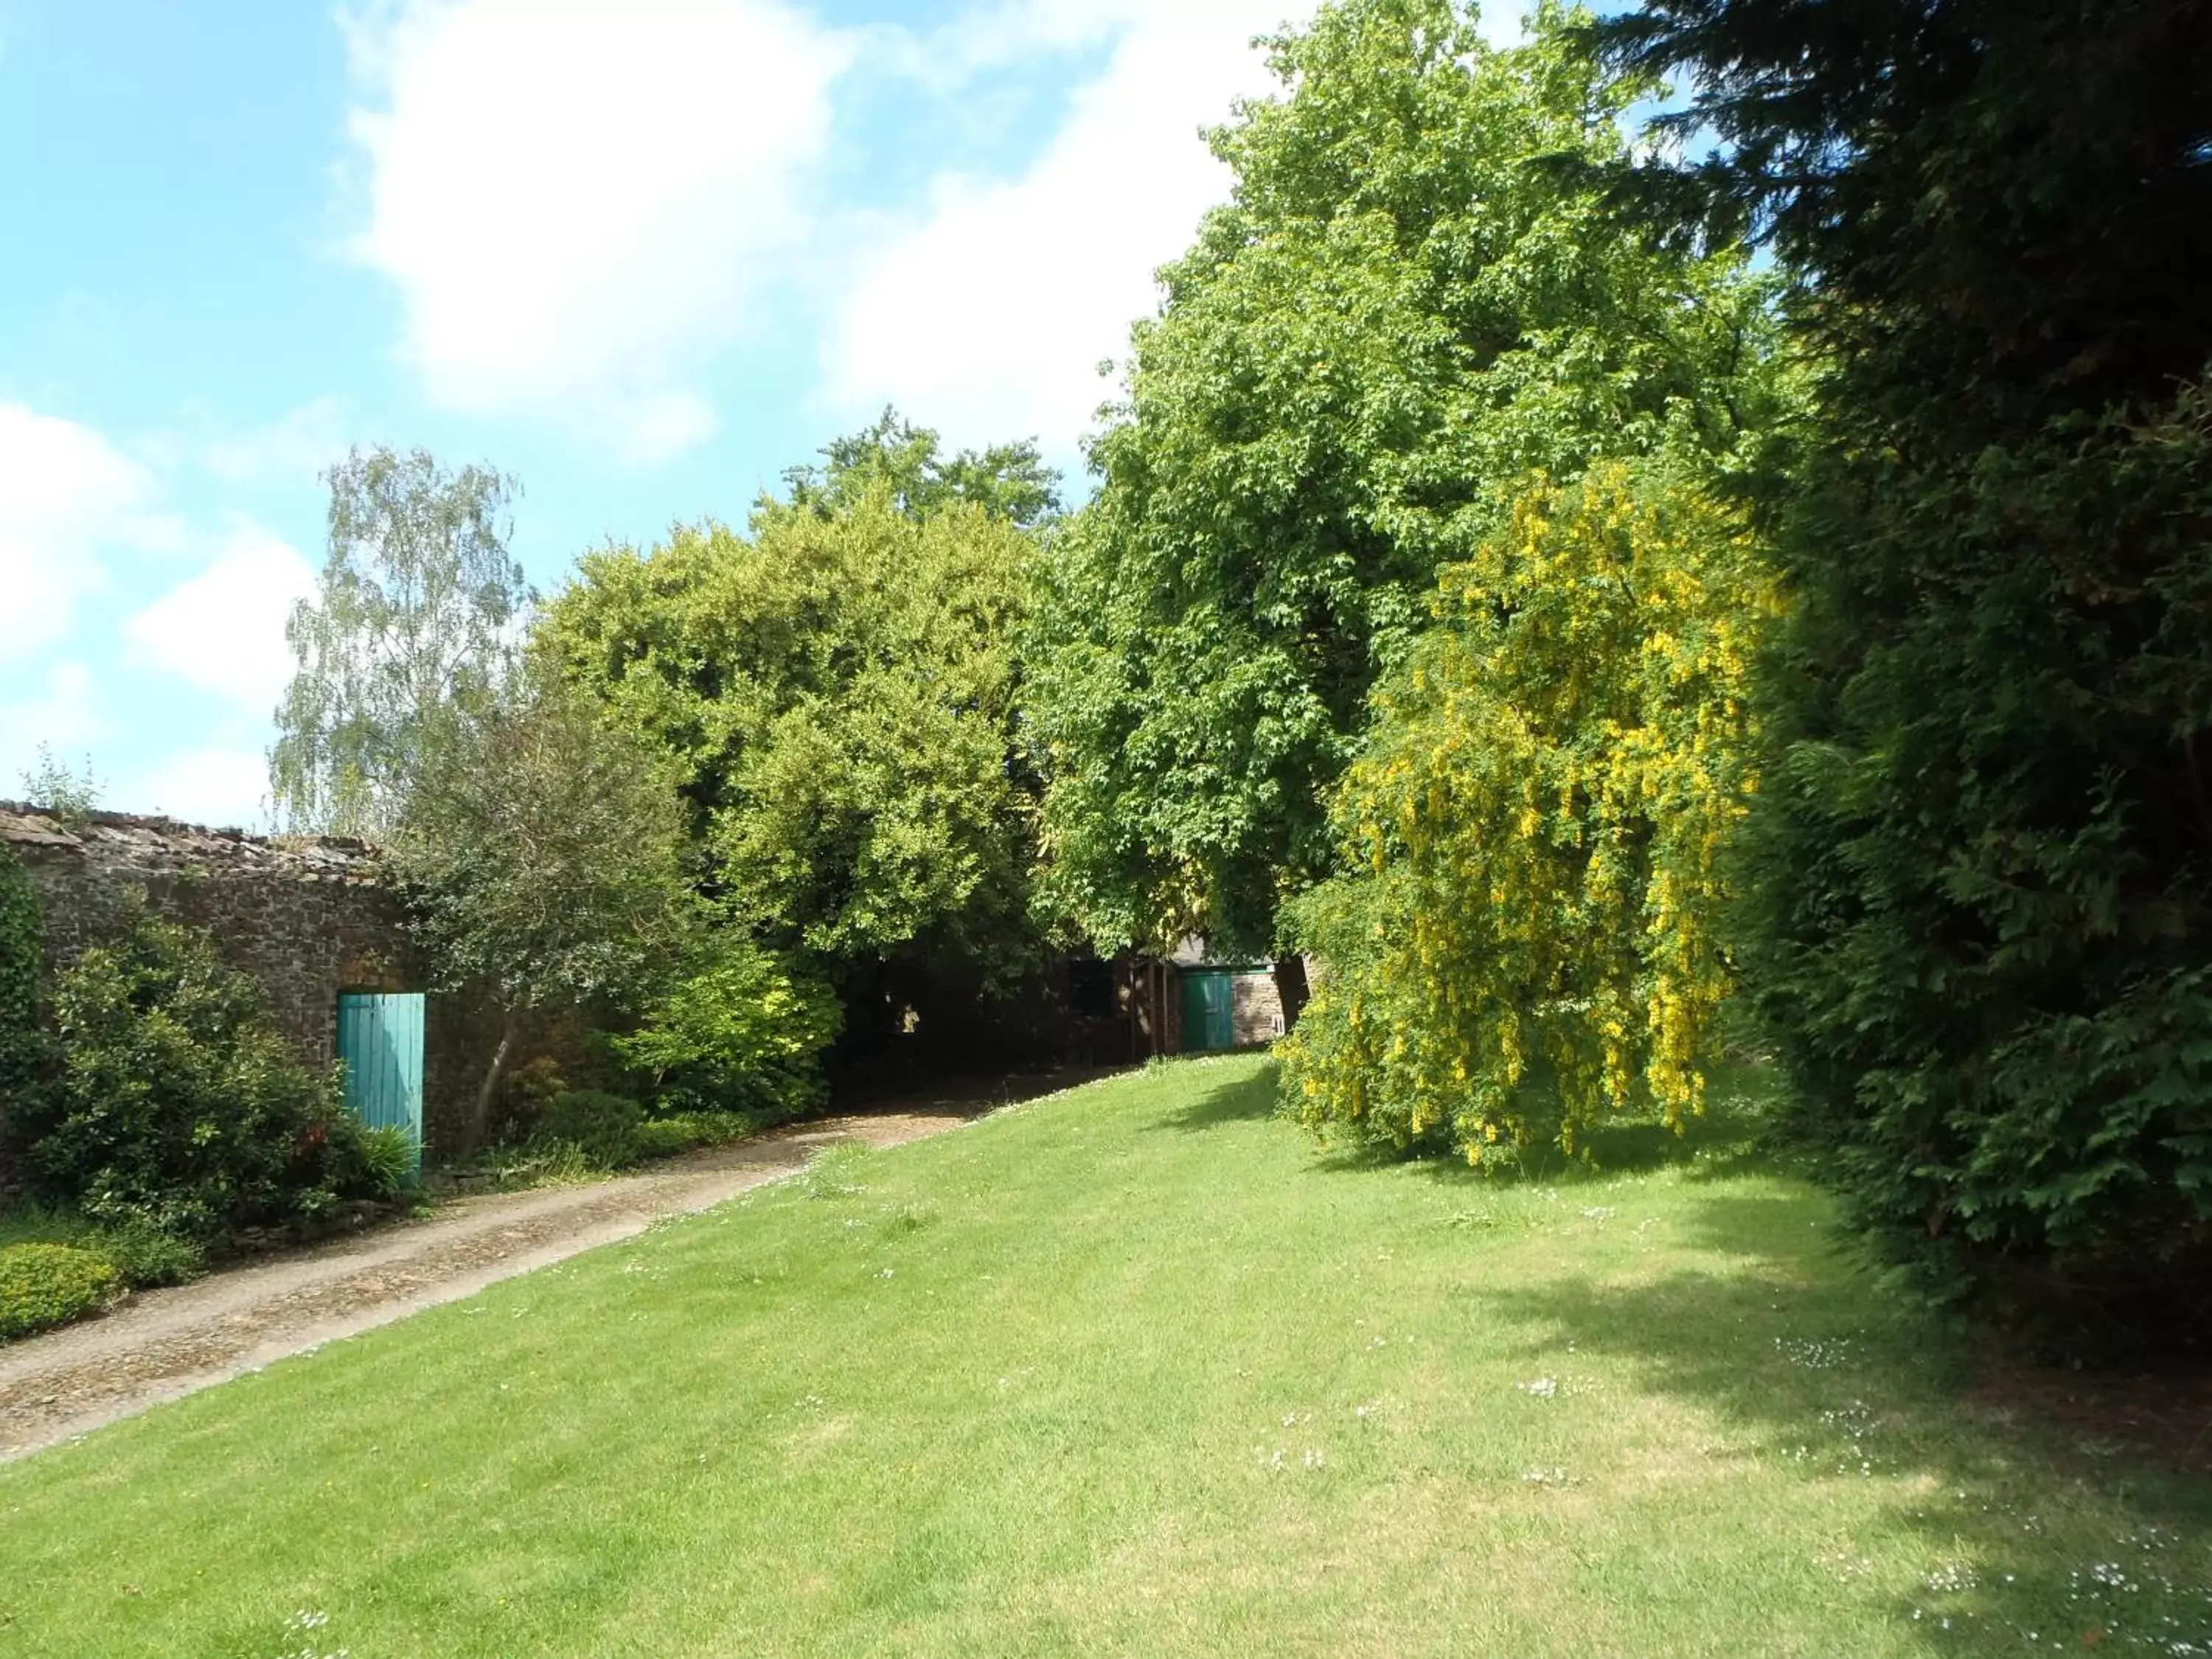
(163,1343)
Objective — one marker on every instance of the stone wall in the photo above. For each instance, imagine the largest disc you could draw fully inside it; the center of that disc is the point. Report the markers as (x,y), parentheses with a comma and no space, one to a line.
(306,917)
(1255,1007)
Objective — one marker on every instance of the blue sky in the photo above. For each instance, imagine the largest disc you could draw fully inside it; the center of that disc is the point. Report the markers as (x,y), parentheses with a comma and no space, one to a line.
(642,253)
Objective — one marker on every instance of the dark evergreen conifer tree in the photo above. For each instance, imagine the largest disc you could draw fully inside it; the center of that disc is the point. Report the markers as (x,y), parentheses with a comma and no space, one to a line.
(1983,938)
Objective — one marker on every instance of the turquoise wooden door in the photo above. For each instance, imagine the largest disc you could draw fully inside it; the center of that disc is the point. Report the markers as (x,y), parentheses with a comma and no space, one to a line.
(381,1040)
(1208,1009)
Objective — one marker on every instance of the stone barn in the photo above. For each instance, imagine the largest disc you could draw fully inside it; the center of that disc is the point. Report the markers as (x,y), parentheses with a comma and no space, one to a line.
(1216,1003)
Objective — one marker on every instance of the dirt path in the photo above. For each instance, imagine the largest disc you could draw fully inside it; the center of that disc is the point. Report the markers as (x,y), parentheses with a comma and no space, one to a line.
(164,1344)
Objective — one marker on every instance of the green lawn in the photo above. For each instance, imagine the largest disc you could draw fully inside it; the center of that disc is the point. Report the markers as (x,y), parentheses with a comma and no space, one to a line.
(1131,1369)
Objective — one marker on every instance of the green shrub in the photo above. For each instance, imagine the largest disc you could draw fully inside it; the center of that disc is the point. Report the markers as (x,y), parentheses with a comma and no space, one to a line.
(175,1105)
(22,966)
(144,1257)
(740,1033)
(663,1137)
(42,1286)
(602,1127)
(394,1165)
(139,1255)
(1983,907)
(529,1086)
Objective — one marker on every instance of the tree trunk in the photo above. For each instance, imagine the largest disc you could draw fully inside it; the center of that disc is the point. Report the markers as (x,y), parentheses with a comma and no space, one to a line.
(1291,988)
(480,1119)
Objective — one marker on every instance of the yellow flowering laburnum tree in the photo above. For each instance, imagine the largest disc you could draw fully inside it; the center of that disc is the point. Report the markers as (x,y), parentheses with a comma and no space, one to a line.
(1535,833)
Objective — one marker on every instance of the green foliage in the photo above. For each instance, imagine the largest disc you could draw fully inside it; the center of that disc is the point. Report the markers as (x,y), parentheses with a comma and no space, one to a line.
(415,621)
(837,692)
(391,1159)
(144,1256)
(540,851)
(1397,319)
(72,796)
(22,972)
(603,1126)
(1538,832)
(173,1104)
(140,1254)
(662,1137)
(43,1286)
(740,1032)
(1007,481)
(1983,936)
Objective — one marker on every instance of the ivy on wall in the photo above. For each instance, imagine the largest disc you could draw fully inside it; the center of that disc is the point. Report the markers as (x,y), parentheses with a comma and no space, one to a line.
(23,960)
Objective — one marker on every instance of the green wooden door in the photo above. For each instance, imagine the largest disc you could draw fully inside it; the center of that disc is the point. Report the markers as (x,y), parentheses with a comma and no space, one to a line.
(1209,1018)
(381,1040)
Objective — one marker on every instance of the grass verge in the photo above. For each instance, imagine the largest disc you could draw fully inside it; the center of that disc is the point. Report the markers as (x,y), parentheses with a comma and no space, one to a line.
(1129,1370)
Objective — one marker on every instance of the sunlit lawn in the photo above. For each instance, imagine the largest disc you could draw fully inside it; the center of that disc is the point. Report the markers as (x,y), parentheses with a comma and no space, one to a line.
(1132,1370)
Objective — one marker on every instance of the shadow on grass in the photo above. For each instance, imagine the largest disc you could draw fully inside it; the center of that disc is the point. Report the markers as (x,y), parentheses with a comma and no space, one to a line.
(1811,1369)
(1727,1140)
(1239,1100)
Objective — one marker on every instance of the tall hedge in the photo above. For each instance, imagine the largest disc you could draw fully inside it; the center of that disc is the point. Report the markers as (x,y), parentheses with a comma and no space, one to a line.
(1983,937)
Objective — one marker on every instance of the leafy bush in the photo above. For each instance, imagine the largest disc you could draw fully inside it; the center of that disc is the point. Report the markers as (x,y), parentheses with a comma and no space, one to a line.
(22,967)
(391,1159)
(529,1086)
(741,1032)
(602,1127)
(42,1286)
(144,1257)
(1537,830)
(175,1105)
(662,1137)
(139,1255)
(1981,945)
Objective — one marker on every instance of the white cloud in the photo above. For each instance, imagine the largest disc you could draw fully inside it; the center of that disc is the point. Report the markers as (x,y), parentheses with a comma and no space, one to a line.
(218,786)
(223,630)
(293,449)
(67,497)
(988,317)
(579,199)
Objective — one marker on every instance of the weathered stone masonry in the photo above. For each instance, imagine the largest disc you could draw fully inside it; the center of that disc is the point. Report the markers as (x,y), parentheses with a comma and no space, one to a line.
(306,917)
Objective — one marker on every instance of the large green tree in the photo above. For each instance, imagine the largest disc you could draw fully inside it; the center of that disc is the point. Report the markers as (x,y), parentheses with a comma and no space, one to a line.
(542,853)
(1397,318)
(1983,944)
(418,613)
(837,691)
